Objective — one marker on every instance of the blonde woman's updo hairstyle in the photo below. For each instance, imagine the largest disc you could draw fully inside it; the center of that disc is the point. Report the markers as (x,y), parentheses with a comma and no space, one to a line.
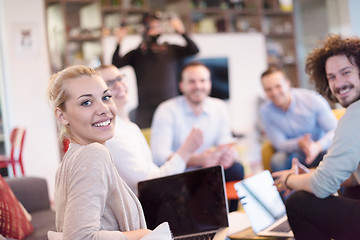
(57,89)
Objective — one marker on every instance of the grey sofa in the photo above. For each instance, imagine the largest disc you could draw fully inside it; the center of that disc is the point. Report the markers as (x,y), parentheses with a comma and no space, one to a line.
(32,192)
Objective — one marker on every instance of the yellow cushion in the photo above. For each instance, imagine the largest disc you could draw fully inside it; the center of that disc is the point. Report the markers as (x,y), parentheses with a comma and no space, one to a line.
(267,150)
(339,112)
(147,134)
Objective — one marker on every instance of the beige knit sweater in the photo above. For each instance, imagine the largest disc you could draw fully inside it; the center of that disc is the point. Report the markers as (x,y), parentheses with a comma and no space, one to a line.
(92,201)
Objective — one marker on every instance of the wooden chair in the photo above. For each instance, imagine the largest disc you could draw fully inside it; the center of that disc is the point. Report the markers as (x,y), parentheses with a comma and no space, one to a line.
(17,137)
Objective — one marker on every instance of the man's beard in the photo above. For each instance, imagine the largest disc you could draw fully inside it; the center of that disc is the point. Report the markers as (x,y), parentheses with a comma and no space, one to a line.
(154,38)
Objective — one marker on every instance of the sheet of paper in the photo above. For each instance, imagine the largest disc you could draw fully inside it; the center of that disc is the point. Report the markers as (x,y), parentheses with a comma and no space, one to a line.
(160,232)
(238,221)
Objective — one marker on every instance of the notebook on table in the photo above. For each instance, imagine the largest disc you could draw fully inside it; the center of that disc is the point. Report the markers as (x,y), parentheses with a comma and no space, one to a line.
(263,205)
(193,203)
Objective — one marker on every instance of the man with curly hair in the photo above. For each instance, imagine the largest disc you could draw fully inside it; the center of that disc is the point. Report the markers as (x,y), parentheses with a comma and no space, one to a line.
(313,211)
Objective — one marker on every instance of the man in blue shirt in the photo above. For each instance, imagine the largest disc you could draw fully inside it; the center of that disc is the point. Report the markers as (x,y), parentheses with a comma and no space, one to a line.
(298,122)
(174,119)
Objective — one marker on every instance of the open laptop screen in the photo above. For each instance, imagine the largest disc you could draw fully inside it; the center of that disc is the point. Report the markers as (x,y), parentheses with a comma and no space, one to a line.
(191,202)
(261,200)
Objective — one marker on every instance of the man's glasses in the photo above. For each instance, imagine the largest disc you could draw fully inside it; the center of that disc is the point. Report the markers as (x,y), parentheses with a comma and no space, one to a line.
(110,83)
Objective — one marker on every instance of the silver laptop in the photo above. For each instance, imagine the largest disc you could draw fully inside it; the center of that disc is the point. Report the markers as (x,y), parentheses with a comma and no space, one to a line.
(193,203)
(263,205)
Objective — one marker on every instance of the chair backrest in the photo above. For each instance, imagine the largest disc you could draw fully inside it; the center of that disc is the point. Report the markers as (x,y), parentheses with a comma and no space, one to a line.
(147,134)
(32,192)
(339,112)
(17,138)
(65,145)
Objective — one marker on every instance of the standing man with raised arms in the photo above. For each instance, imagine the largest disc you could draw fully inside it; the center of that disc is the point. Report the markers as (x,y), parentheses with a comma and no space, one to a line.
(155,66)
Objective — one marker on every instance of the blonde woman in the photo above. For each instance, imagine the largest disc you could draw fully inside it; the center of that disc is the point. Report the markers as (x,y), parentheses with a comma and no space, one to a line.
(92,201)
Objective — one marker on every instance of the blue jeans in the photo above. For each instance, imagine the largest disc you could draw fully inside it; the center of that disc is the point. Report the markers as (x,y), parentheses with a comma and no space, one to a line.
(234,173)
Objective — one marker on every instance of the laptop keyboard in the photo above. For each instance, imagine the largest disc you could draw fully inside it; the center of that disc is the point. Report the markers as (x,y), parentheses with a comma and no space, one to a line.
(283,227)
(207,236)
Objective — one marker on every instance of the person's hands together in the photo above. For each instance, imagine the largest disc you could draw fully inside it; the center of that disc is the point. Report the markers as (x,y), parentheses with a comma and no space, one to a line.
(304,142)
(207,158)
(313,150)
(210,158)
(227,157)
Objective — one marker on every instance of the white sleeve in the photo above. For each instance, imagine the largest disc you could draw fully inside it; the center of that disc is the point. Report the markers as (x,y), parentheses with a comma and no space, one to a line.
(162,134)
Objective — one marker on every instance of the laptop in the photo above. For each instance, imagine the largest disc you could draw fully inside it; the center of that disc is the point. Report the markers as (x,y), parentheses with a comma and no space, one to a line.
(263,205)
(193,203)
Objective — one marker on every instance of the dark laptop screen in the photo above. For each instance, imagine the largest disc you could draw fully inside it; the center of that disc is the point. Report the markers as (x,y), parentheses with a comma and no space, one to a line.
(191,202)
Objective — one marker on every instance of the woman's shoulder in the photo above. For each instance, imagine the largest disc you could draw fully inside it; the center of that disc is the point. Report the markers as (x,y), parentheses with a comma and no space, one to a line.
(93,151)
(88,147)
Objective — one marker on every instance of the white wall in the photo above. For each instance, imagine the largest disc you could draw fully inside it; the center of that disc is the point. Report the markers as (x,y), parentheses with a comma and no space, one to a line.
(25,76)
(354,7)
(343,17)
(246,53)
